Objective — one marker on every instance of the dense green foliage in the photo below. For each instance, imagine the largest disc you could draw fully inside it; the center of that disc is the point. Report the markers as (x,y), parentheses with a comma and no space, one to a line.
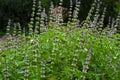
(64,54)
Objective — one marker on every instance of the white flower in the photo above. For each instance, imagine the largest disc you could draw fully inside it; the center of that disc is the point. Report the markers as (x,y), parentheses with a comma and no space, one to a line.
(32,40)
(85,49)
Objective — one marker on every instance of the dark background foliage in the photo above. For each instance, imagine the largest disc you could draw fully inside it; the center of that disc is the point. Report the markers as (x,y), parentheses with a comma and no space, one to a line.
(20,10)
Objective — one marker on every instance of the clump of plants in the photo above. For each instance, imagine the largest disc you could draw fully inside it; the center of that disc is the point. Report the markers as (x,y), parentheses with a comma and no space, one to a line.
(54,50)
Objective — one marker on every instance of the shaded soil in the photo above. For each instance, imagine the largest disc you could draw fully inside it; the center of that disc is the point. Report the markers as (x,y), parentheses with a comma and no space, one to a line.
(2,39)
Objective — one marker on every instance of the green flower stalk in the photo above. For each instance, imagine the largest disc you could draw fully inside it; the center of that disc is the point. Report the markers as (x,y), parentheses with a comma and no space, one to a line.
(43,28)
(112,23)
(20,43)
(34,43)
(102,20)
(35,57)
(108,28)
(109,22)
(31,24)
(75,56)
(117,24)
(53,54)
(42,69)
(52,17)
(86,64)
(6,73)
(112,26)
(70,14)
(9,38)
(75,14)
(15,46)
(60,17)
(19,30)
(70,11)
(95,20)
(24,32)
(23,38)
(74,62)
(14,36)
(35,49)
(51,12)
(46,22)
(19,38)
(14,31)
(8,27)
(85,25)
(8,34)
(26,71)
(38,14)
(15,39)
(101,23)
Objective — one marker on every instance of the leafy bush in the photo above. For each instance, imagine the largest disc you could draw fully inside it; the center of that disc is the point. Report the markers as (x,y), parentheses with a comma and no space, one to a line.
(53,50)
(58,54)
